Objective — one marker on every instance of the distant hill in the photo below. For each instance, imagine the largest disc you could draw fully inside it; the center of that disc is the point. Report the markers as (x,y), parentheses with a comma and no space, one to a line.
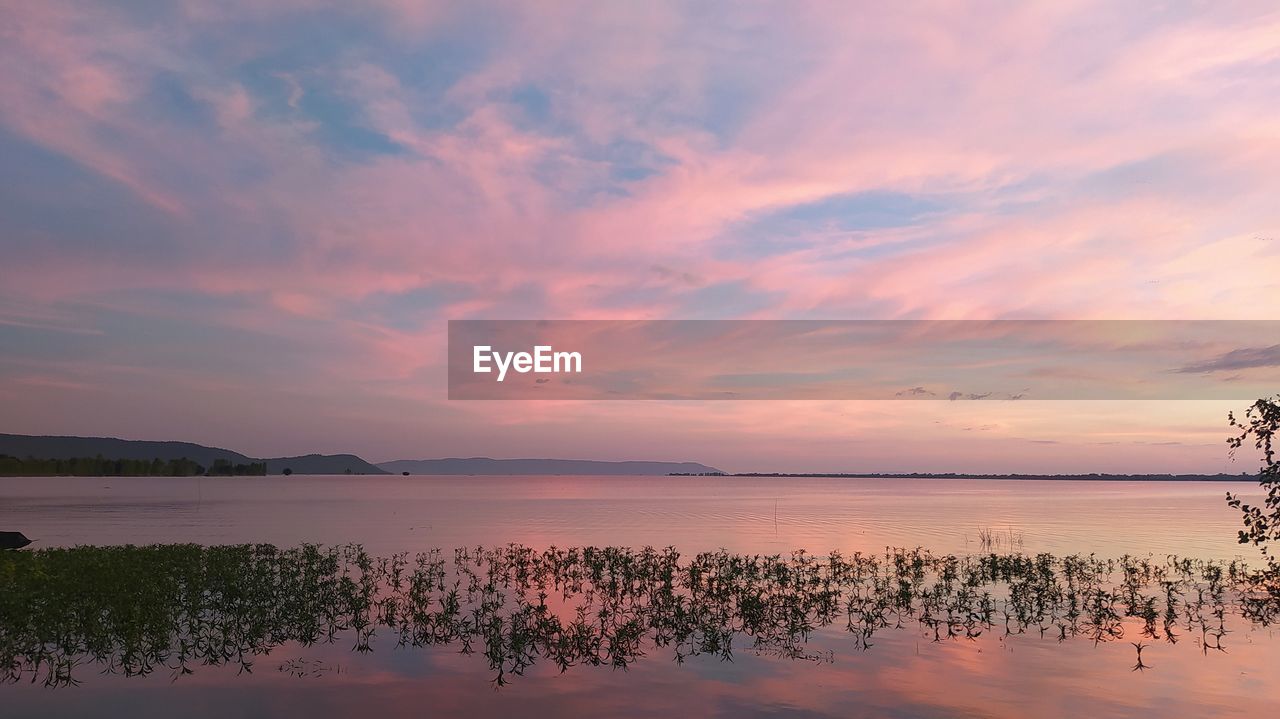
(53,447)
(57,447)
(322,464)
(487,466)
(60,447)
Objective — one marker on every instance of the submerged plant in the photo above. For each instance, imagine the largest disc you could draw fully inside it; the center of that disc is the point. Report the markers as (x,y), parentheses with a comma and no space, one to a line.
(137,610)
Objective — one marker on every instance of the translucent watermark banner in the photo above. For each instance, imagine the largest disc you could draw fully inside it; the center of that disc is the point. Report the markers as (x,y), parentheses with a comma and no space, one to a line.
(948,360)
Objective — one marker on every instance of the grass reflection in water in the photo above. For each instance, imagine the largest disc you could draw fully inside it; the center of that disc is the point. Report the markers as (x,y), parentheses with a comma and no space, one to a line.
(136,610)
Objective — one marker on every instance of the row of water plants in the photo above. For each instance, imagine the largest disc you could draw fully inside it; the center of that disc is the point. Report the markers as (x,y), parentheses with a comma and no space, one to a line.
(134,610)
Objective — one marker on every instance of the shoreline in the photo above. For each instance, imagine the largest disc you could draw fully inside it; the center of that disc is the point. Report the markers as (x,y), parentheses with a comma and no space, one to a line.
(1055,477)
(744,475)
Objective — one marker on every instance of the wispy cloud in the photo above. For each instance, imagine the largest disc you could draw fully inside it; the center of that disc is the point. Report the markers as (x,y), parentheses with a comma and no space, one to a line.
(1237,359)
(342,180)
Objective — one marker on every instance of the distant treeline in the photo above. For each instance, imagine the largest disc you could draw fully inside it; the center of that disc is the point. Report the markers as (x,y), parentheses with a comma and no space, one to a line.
(1242,477)
(100,466)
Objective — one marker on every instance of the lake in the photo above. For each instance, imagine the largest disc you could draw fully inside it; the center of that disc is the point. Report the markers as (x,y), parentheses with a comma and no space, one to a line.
(982,631)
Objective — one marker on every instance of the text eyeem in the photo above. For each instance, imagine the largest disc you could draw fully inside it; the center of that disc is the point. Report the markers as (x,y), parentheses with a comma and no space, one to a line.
(543,360)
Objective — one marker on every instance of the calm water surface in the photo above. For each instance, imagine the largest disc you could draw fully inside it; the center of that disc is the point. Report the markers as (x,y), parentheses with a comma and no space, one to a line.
(904,673)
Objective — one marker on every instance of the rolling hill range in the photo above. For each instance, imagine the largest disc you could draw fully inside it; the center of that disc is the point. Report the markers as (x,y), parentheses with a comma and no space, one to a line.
(487,466)
(62,447)
(55,447)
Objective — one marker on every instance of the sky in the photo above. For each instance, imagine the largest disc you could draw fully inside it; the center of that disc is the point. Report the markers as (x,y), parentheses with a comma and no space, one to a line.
(247,224)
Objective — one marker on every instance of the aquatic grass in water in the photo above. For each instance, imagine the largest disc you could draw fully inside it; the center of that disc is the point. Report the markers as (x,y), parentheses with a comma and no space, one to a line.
(137,610)
(992,539)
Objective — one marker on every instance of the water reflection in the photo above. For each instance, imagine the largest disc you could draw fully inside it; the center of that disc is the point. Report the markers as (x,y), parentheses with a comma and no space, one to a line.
(134,611)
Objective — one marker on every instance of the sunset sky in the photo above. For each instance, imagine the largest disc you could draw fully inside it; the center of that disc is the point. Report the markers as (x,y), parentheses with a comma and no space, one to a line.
(247,224)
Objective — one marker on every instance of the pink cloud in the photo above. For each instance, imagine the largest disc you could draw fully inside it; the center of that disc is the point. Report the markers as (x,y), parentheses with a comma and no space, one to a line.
(1008,117)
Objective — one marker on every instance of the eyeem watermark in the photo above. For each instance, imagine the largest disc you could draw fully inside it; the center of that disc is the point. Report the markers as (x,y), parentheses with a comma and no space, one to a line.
(543,360)
(942,360)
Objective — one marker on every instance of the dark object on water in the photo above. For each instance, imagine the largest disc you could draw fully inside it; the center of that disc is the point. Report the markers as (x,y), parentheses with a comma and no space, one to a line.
(405,474)
(13,540)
